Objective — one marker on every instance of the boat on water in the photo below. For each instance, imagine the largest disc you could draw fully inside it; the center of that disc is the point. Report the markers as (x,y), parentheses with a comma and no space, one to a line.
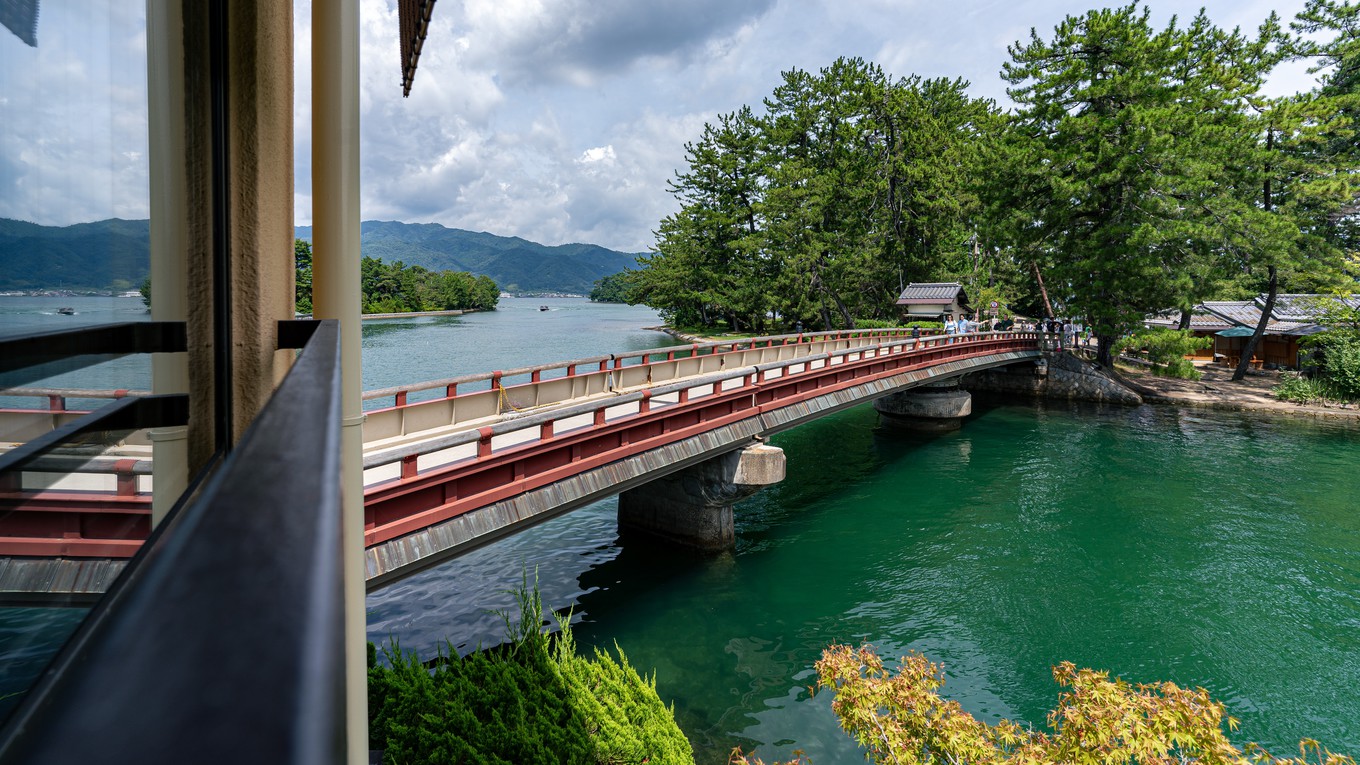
(66,311)
(543,308)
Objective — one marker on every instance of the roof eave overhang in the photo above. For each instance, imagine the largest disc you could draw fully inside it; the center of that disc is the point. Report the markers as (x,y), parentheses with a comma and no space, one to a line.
(414,22)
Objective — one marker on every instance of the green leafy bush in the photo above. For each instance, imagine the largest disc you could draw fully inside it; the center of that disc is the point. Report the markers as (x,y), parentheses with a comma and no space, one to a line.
(625,716)
(1341,364)
(1179,368)
(526,702)
(1302,390)
(877,324)
(1167,349)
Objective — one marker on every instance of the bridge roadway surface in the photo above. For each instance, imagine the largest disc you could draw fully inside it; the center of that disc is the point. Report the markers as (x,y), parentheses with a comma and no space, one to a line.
(491,454)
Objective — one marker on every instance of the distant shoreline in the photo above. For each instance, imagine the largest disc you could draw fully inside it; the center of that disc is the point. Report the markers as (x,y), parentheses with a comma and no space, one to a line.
(456,312)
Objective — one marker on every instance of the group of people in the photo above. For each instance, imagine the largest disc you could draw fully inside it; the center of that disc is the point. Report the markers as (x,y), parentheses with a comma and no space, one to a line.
(962,326)
(1070,332)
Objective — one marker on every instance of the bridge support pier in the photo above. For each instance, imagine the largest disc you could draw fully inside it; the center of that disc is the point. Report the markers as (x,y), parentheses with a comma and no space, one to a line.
(932,408)
(693,507)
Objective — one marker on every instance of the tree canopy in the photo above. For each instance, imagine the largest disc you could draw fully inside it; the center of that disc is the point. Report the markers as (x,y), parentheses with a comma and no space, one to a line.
(1140,169)
(398,288)
(817,210)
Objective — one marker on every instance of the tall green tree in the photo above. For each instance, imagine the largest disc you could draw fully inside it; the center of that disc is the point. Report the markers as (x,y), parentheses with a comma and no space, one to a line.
(1304,166)
(1117,156)
(1328,35)
(709,261)
(819,210)
(823,182)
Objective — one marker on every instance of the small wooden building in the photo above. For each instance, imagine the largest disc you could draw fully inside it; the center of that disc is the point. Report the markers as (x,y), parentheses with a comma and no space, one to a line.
(1226,321)
(933,300)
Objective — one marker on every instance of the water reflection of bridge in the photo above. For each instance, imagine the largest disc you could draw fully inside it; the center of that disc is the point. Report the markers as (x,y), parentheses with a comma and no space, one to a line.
(452,464)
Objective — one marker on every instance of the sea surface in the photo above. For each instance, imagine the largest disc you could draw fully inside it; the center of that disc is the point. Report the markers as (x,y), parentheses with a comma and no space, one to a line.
(1211,549)
(1214,550)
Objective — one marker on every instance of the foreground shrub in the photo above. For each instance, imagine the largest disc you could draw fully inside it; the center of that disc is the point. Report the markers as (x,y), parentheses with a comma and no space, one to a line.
(1304,390)
(1341,364)
(901,718)
(1179,368)
(529,701)
(625,717)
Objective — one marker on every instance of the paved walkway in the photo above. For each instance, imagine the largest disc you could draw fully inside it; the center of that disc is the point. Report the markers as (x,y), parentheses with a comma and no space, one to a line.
(1217,391)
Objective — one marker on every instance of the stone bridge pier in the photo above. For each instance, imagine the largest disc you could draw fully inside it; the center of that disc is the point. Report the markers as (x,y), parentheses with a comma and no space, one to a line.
(933,408)
(693,506)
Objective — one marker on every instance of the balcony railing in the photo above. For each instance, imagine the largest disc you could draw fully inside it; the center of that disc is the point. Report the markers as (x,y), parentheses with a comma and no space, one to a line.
(222,641)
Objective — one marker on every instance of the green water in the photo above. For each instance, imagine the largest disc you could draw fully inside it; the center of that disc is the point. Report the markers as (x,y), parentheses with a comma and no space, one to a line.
(1209,549)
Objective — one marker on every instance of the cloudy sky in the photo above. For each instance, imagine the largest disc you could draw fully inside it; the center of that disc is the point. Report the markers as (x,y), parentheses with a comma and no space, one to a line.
(555,120)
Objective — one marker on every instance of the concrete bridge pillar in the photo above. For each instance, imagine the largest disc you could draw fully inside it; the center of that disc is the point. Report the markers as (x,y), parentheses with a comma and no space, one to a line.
(693,506)
(933,408)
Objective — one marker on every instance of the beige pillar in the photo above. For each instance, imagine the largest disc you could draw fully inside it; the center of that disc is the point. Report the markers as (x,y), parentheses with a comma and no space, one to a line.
(335,295)
(260,154)
(259,133)
(169,236)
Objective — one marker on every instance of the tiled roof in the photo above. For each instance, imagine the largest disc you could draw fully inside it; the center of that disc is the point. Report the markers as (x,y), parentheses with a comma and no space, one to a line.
(932,292)
(1199,321)
(1235,312)
(1246,313)
(414,22)
(1299,307)
(1293,314)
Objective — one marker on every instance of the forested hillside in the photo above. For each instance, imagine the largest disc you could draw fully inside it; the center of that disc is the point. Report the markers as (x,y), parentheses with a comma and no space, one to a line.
(517,265)
(108,254)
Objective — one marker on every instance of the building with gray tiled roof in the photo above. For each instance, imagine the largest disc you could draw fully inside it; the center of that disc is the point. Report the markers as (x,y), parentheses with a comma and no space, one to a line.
(933,299)
(1292,318)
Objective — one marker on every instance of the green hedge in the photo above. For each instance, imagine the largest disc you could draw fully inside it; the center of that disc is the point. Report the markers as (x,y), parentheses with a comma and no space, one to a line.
(533,700)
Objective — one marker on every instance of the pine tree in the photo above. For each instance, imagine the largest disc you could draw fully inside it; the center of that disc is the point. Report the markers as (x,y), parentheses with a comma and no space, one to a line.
(1121,148)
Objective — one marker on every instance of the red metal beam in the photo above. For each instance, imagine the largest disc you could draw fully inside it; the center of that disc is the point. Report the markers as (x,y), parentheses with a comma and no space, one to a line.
(73,524)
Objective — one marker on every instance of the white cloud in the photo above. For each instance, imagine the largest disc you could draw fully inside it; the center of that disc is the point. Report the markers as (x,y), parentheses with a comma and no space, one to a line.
(74,139)
(598,154)
(557,121)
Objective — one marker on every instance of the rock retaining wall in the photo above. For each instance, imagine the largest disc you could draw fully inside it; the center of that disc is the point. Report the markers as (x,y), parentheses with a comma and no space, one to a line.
(1058,376)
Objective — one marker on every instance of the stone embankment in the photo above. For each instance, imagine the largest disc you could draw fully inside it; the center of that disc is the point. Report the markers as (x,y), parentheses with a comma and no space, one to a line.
(683,337)
(1056,376)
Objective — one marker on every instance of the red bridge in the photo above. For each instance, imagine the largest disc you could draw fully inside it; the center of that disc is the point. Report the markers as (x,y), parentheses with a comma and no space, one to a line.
(482,456)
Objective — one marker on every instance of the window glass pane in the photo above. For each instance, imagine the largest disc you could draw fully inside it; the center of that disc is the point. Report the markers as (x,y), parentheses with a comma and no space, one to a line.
(74,251)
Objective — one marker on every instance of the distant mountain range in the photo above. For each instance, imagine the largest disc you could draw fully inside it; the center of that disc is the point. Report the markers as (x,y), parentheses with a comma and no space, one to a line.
(516,265)
(115,254)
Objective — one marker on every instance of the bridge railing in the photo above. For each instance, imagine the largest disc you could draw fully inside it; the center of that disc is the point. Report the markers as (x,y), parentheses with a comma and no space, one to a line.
(22,422)
(437,451)
(519,391)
